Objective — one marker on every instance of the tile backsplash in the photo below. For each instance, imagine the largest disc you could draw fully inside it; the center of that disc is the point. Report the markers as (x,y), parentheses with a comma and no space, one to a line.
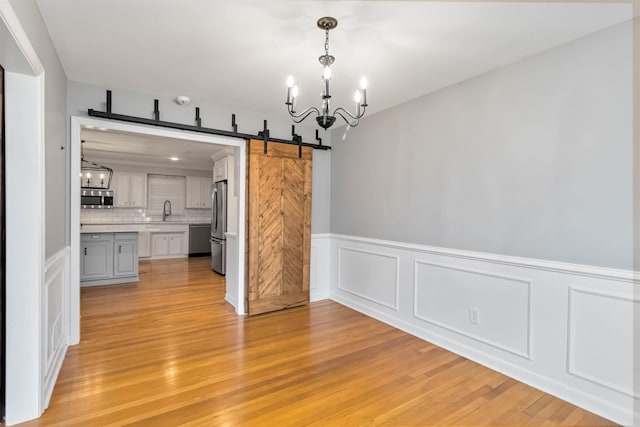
(126,216)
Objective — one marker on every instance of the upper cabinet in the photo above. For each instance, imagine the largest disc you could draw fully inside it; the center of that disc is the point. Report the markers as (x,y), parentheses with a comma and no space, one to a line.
(220,170)
(130,190)
(198,192)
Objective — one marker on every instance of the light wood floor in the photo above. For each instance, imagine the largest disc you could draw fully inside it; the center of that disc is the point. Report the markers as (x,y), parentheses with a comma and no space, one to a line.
(169,351)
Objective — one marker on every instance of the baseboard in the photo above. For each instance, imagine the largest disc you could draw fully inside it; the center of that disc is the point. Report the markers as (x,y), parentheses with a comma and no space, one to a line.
(429,292)
(231,300)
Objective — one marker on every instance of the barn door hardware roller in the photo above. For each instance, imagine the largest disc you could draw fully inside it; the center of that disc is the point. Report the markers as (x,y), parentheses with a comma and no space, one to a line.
(264,134)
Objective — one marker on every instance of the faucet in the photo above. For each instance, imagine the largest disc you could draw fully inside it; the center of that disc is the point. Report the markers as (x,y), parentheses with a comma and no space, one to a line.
(166,212)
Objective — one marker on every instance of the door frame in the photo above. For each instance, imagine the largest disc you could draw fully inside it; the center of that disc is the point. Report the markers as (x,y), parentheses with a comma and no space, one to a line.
(25,230)
(77,124)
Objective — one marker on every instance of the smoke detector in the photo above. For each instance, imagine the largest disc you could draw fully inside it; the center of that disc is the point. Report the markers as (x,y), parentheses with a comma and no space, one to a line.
(182,100)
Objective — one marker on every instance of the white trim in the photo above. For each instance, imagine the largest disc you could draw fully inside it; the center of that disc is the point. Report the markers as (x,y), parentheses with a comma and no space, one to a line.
(24,96)
(319,268)
(57,266)
(76,126)
(526,354)
(231,300)
(55,258)
(571,337)
(25,274)
(540,264)
(396,284)
(11,21)
(241,151)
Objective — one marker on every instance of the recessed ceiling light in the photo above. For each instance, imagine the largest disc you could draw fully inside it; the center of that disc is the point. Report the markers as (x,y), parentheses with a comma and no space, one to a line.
(175,159)
(103,129)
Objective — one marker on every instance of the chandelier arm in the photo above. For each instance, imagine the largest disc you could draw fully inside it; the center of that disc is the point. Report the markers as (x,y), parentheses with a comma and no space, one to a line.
(303,115)
(358,117)
(355,121)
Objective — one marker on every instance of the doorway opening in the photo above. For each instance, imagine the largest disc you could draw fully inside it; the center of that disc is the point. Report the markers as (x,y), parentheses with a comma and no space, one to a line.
(149,151)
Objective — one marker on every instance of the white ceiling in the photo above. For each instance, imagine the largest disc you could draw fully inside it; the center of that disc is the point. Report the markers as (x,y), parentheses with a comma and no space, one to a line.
(239,53)
(108,146)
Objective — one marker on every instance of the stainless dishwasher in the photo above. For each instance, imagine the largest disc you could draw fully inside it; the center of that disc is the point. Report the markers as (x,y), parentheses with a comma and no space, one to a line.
(199,244)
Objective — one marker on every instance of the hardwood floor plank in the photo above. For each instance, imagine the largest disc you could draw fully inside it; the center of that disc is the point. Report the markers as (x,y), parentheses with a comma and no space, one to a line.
(169,351)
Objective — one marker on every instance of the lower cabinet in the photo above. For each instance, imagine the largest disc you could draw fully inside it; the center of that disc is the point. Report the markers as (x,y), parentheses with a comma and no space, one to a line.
(168,245)
(125,257)
(96,257)
(144,244)
(108,258)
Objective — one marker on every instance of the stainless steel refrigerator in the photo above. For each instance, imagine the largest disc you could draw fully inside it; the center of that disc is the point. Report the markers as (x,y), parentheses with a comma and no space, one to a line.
(219,227)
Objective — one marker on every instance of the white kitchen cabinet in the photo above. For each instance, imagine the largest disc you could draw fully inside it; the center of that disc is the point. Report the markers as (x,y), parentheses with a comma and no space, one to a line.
(175,244)
(198,192)
(168,245)
(138,190)
(130,190)
(125,255)
(144,245)
(96,256)
(220,170)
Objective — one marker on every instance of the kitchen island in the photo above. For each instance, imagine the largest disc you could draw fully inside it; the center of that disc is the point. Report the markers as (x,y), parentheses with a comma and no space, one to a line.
(108,258)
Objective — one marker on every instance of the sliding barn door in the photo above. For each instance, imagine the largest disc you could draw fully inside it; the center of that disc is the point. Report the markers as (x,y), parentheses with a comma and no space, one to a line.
(279,226)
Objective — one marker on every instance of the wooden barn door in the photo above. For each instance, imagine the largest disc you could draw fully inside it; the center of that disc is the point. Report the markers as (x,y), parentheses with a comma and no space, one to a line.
(279,226)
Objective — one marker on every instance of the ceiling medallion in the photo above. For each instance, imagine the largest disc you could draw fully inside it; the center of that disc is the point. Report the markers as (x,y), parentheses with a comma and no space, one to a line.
(324,118)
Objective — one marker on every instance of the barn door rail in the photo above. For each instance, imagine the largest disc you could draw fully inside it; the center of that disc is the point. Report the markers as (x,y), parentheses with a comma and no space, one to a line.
(264,134)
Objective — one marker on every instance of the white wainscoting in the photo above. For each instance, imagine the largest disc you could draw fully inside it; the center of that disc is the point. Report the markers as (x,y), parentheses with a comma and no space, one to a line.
(232,285)
(319,274)
(563,328)
(55,306)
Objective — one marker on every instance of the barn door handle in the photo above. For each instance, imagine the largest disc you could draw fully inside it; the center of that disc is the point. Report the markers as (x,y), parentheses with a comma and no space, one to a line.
(119,249)
(85,251)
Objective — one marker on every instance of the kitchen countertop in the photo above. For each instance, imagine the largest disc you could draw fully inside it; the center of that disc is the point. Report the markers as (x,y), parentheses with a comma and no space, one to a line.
(159,227)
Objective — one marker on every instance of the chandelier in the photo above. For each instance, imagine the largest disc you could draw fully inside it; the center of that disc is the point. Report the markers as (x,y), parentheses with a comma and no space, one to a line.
(324,118)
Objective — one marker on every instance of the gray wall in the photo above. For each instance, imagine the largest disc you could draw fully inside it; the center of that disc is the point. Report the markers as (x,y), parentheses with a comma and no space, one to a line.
(533,159)
(55,124)
(82,96)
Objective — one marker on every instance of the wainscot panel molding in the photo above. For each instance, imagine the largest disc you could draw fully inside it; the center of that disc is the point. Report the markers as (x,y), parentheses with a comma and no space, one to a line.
(372,275)
(319,270)
(592,340)
(55,305)
(563,328)
(504,323)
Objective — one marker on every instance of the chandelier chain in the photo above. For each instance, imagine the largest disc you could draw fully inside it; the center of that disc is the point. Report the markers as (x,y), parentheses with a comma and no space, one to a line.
(326,42)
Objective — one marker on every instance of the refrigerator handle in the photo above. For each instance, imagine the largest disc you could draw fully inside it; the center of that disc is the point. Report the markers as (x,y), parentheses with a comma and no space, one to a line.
(215,208)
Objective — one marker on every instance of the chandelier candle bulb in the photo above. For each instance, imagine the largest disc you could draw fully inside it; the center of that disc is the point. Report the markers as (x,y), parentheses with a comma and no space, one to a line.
(356,97)
(102,180)
(363,86)
(326,75)
(290,83)
(294,94)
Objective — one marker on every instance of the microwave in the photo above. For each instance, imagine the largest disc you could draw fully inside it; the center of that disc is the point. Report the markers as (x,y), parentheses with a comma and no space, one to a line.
(96,199)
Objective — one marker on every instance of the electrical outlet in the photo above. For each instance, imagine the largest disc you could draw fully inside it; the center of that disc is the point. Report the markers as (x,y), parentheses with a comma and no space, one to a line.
(474,315)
